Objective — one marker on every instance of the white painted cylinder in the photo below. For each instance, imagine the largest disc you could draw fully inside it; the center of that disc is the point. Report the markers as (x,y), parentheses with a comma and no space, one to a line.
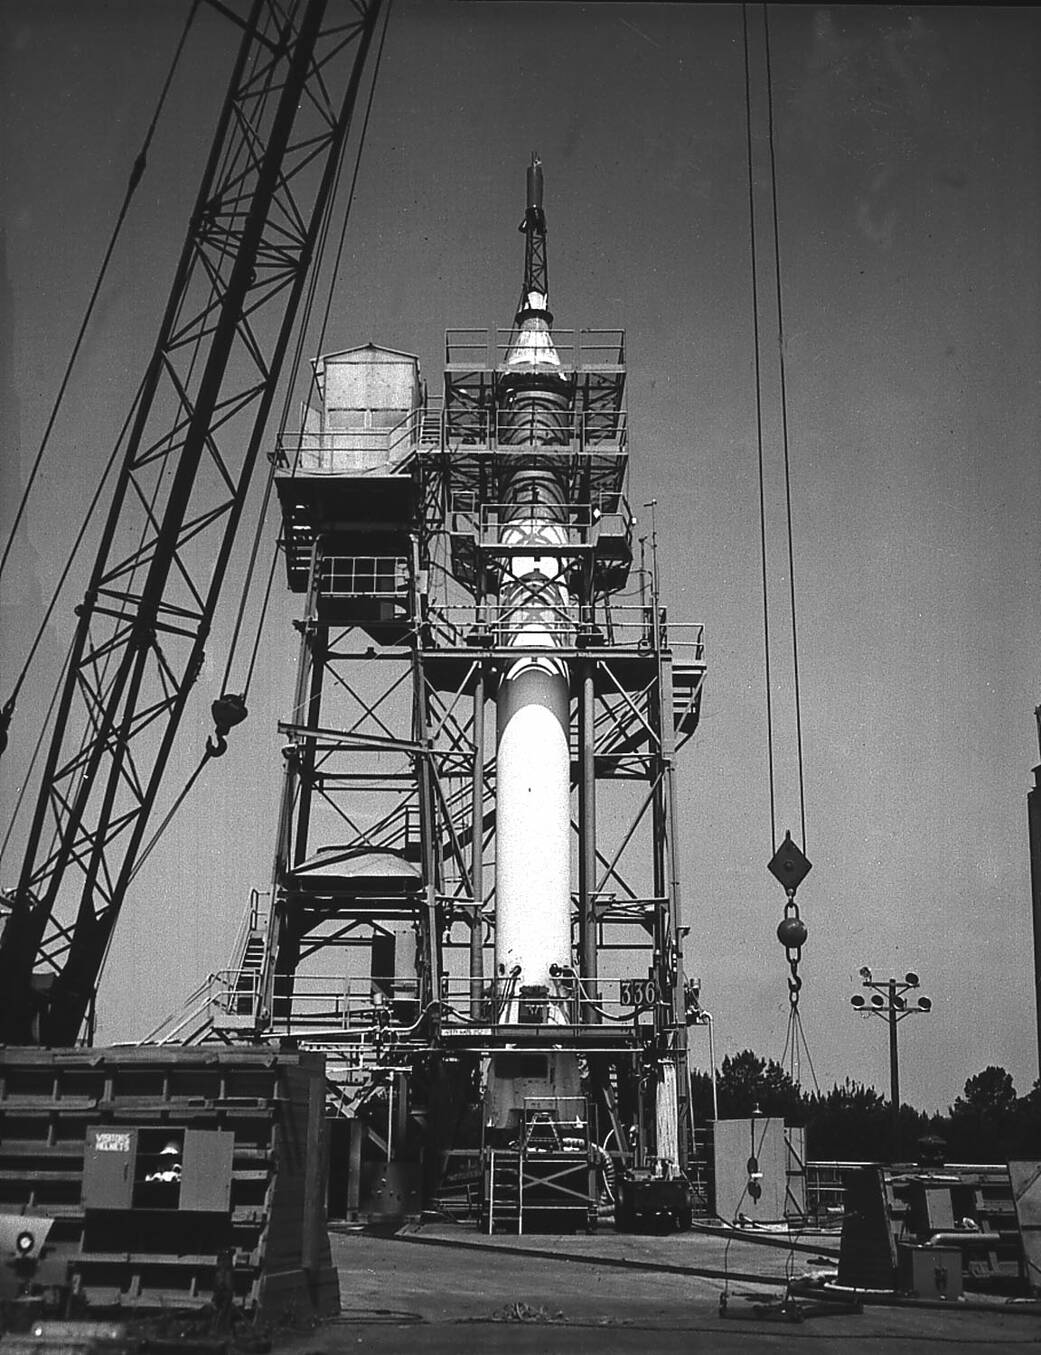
(533,824)
(533,761)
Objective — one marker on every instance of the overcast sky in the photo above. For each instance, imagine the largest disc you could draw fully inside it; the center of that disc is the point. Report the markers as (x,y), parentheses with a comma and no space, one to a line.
(908,175)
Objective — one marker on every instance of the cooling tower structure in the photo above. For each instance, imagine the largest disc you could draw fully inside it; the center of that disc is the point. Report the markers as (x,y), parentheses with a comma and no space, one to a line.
(475,904)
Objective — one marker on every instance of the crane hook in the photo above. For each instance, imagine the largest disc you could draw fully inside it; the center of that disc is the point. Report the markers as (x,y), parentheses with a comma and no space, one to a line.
(228,711)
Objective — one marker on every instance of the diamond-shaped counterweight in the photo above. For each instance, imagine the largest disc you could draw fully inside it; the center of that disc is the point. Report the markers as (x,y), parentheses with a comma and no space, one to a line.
(789,864)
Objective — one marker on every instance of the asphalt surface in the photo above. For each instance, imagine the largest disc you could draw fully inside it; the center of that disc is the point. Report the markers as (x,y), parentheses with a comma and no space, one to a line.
(447,1289)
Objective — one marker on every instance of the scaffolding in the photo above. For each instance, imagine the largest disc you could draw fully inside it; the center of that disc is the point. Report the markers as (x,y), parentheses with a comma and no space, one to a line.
(394,536)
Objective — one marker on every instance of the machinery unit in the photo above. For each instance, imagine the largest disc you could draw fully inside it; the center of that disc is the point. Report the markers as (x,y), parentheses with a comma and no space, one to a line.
(896,1215)
(475,907)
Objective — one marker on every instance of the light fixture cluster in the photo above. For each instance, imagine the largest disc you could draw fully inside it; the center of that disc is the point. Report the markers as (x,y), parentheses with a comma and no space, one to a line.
(888,996)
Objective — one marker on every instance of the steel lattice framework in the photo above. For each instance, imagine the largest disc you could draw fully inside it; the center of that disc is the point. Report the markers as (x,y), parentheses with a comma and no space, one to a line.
(387,833)
(197,427)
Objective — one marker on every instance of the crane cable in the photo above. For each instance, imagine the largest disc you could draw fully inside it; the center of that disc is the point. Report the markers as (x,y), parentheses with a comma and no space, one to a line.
(7,712)
(230,709)
(792,938)
(230,714)
(795,1042)
(136,174)
(782,376)
(757,341)
(297,360)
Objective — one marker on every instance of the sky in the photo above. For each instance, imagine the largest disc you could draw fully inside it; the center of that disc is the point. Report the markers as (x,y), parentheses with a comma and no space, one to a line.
(908,173)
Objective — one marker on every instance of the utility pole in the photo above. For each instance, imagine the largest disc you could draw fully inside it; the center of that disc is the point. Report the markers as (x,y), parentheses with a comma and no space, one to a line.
(894,1066)
(892,1008)
(1034,827)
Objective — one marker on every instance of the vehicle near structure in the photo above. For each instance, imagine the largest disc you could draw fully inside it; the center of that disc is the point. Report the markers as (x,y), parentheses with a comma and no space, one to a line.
(648,1200)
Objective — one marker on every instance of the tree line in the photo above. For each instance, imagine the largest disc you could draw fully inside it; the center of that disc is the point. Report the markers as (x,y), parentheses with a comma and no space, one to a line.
(852,1122)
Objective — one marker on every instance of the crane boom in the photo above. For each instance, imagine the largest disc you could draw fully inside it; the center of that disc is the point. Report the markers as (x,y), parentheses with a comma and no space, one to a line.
(197,429)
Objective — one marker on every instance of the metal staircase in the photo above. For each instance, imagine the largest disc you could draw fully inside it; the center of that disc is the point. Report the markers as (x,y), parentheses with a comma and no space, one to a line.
(687,683)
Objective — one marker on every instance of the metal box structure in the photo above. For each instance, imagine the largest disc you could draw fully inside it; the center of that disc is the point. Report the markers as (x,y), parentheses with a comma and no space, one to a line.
(155,1166)
(889,1209)
(757,1169)
(930,1272)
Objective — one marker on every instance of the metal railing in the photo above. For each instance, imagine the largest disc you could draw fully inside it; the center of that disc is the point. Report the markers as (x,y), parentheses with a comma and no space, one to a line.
(359,1005)
(582,432)
(310,1001)
(254,917)
(623,628)
(189,1021)
(484,349)
(569,999)
(574,432)
(605,511)
(344,450)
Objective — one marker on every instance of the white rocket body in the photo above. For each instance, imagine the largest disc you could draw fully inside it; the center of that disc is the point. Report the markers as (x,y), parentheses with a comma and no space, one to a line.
(533,898)
(533,760)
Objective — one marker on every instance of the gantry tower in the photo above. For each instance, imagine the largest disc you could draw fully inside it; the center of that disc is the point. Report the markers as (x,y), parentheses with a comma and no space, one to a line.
(476,890)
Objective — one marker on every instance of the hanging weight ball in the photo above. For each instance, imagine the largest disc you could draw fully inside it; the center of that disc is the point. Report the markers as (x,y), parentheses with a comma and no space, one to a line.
(792,932)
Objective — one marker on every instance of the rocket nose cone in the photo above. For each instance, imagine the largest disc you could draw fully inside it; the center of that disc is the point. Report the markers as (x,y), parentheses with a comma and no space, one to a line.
(532,345)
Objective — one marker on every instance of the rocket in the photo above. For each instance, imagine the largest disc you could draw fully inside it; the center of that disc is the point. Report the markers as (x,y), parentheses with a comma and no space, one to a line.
(539,594)
(533,818)
(533,951)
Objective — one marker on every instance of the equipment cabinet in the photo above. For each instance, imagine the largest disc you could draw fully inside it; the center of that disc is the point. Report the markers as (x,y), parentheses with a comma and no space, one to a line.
(128,1167)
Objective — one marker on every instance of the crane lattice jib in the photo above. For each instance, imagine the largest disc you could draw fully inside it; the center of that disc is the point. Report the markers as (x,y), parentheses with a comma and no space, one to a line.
(197,428)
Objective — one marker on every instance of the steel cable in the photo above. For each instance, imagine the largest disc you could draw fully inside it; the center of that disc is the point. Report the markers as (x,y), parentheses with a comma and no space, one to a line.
(136,173)
(795,1036)
(784,417)
(294,373)
(783,410)
(319,254)
(752,243)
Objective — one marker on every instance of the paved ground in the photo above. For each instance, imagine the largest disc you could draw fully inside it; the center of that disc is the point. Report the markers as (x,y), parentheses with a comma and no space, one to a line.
(448,1290)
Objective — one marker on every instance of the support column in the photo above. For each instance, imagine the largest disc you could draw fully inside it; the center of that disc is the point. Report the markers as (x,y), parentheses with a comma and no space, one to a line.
(477,853)
(587,946)
(431,919)
(674,1090)
(319,648)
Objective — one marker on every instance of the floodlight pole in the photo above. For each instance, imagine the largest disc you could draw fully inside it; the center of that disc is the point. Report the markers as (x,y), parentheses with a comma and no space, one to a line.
(892,1008)
(1034,839)
(894,1068)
